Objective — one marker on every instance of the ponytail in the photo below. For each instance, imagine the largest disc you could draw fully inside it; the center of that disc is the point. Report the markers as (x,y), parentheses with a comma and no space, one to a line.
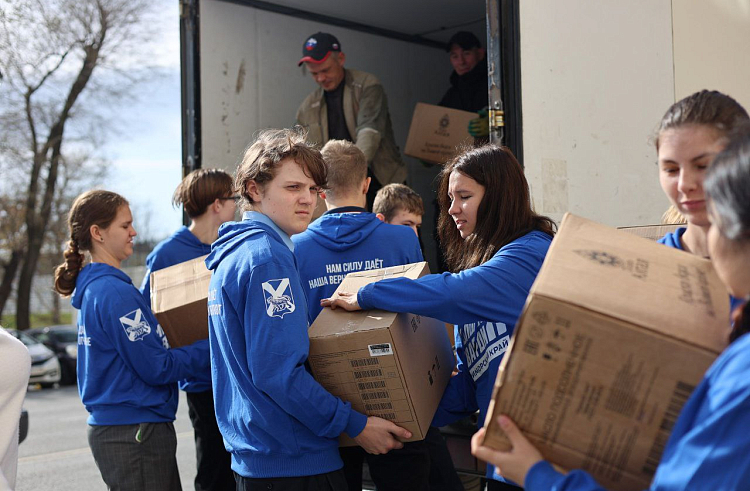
(67,272)
(740,321)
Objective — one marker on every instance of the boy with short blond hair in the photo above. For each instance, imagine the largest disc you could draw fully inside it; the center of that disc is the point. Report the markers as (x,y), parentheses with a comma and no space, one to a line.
(398,204)
(347,239)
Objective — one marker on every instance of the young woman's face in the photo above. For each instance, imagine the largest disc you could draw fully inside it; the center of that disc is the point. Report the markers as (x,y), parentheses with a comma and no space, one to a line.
(465,195)
(289,199)
(117,239)
(684,155)
(730,260)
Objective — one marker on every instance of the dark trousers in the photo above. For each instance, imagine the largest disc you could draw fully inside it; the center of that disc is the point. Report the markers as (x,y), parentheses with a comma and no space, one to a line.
(138,457)
(214,463)
(405,469)
(331,481)
(443,475)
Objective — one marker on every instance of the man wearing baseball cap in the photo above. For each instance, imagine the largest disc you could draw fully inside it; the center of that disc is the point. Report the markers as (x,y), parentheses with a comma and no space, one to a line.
(349,105)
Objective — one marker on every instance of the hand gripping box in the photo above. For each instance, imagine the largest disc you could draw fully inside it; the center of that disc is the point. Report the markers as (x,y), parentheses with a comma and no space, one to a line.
(179,300)
(395,366)
(616,333)
(436,132)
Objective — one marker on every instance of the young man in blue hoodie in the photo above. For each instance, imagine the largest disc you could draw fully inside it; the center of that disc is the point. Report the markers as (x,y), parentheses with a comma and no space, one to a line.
(347,239)
(279,424)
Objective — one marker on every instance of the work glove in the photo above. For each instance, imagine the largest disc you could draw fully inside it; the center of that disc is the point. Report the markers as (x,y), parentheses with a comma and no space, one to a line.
(480,127)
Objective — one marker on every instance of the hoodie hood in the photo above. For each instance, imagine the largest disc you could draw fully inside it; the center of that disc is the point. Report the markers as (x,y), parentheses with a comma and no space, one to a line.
(185,237)
(342,231)
(92,272)
(232,234)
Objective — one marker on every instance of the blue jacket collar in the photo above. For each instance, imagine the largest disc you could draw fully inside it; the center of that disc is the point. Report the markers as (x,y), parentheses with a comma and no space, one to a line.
(260,217)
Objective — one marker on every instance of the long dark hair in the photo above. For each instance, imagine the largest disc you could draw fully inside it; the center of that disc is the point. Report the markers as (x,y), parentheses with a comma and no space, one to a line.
(727,187)
(90,208)
(504,213)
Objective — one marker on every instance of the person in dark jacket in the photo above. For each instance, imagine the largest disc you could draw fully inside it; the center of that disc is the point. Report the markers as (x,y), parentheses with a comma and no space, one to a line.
(468,90)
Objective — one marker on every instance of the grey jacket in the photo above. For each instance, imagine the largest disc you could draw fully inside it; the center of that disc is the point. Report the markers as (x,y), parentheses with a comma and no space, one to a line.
(367,119)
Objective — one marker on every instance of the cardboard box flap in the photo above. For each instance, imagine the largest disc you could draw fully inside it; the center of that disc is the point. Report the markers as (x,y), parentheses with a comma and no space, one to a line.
(337,322)
(178,285)
(652,232)
(622,275)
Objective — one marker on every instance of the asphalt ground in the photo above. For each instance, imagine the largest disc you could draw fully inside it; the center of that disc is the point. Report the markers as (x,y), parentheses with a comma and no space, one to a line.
(56,454)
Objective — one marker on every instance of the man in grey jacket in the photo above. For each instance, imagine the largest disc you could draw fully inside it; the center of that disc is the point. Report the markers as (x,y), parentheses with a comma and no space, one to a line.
(349,105)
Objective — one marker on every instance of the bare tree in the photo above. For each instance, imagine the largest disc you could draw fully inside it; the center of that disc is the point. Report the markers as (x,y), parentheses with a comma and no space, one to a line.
(49,53)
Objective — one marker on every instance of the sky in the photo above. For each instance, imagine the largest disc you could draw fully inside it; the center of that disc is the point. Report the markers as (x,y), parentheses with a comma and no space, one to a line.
(146,152)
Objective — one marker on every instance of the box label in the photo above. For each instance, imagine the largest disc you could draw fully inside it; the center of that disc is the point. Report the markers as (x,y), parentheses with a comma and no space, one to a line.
(380,349)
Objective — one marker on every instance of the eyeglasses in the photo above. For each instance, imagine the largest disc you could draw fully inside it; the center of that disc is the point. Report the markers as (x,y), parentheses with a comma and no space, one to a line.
(235,198)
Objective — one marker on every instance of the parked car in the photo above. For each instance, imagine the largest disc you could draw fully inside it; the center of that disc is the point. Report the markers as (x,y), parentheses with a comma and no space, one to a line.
(63,340)
(45,367)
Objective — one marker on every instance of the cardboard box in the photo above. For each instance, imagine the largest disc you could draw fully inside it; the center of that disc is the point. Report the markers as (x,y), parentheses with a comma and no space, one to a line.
(653,232)
(436,132)
(395,366)
(615,335)
(179,300)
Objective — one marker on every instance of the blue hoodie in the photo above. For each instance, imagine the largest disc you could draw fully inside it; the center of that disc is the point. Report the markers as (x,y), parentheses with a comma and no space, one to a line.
(674,240)
(277,421)
(484,302)
(179,247)
(708,447)
(126,373)
(340,243)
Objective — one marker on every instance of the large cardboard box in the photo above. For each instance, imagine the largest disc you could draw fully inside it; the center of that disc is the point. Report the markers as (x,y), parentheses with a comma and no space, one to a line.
(179,300)
(436,132)
(395,366)
(615,335)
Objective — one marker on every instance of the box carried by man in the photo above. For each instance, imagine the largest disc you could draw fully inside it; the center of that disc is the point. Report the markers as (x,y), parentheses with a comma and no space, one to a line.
(179,300)
(616,333)
(395,366)
(436,132)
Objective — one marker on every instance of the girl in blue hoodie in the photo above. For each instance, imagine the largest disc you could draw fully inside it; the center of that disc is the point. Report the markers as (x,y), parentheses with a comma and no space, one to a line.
(280,425)
(126,372)
(495,244)
(691,133)
(206,196)
(708,447)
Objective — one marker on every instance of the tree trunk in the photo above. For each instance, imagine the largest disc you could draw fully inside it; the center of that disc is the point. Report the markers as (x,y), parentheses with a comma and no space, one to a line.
(9,274)
(26,278)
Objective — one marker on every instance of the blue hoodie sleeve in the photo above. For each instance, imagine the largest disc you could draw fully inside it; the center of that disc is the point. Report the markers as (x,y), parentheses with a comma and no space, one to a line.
(459,399)
(496,289)
(278,345)
(141,342)
(542,477)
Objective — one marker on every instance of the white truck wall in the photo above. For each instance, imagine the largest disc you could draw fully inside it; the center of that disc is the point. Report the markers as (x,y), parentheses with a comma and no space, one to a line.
(711,47)
(250,79)
(596,78)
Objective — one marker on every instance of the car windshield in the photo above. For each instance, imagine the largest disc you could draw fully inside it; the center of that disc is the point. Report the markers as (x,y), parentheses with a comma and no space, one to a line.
(66,335)
(25,338)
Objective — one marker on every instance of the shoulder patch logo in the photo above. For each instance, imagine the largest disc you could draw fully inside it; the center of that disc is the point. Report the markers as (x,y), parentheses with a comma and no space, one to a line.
(136,327)
(279,298)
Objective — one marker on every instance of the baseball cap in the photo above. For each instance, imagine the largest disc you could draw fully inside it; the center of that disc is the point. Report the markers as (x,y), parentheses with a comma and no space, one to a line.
(318,46)
(464,39)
